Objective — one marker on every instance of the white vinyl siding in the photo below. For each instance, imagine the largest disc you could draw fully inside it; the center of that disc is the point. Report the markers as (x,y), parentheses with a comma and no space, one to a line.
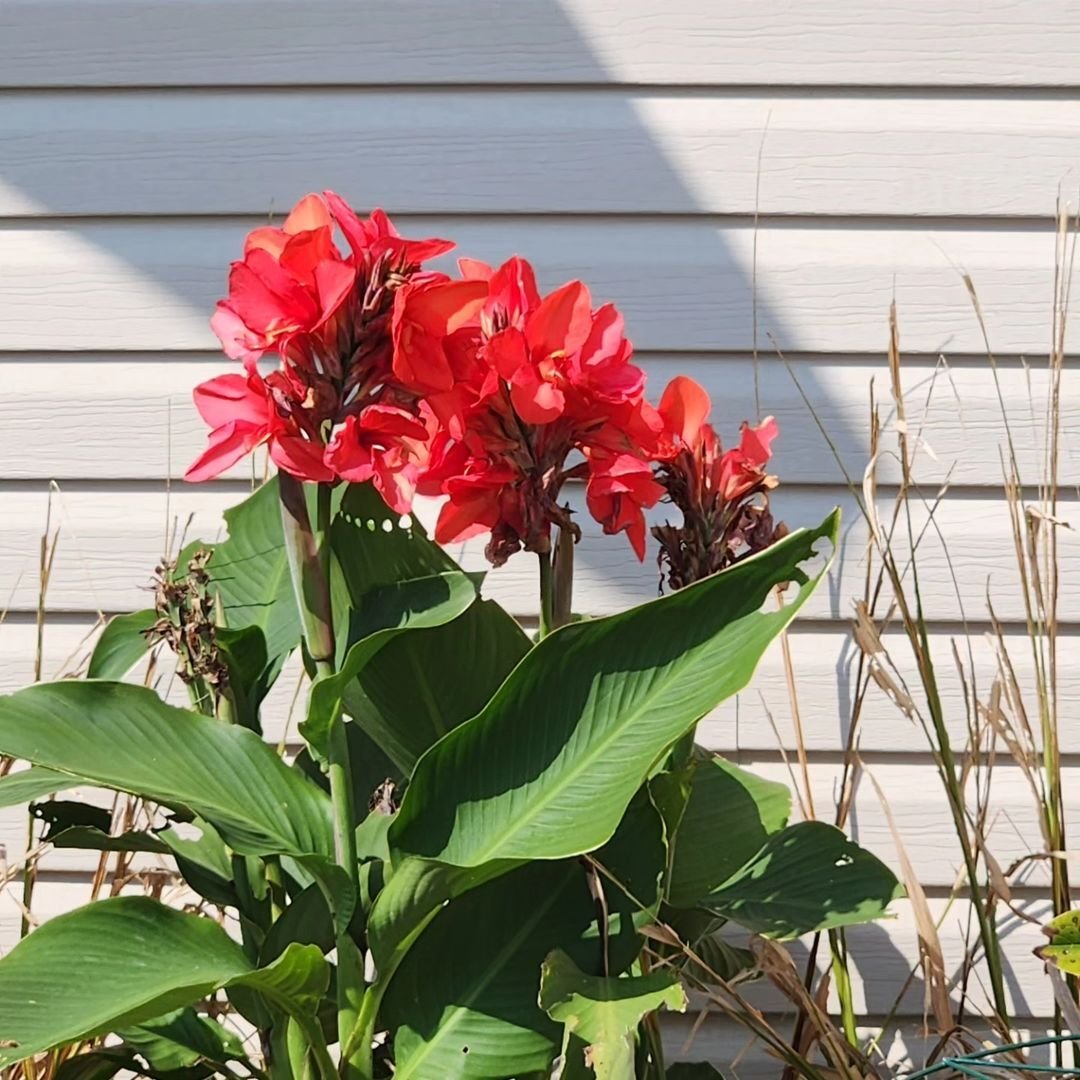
(737,177)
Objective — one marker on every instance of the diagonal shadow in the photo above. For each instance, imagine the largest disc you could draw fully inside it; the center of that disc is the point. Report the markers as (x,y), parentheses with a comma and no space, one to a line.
(619,165)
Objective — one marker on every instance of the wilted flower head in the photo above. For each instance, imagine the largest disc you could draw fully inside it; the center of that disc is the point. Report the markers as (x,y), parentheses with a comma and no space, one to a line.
(529,391)
(723,496)
(332,410)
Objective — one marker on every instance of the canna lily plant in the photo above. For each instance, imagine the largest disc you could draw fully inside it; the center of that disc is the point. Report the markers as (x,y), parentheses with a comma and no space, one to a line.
(465,869)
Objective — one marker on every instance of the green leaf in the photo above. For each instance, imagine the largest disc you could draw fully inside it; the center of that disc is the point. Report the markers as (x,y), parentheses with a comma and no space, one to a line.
(729,815)
(183,1038)
(123,643)
(374,546)
(204,861)
(549,766)
(306,920)
(100,1064)
(250,572)
(369,766)
(807,877)
(414,694)
(87,838)
(464,1001)
(34,783)
(605,1012)
(384,612)
(1063,952)
(125,961)
(250,672)
(124,737)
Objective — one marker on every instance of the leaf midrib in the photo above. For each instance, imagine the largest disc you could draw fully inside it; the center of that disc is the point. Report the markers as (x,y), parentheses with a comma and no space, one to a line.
(590,757)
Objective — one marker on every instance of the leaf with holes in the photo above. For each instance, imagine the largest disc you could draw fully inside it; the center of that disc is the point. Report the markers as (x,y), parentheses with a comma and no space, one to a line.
(1063,952)
(807,877)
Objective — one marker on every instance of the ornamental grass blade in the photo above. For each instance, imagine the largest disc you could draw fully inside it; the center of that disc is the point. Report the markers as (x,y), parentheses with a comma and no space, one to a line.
(126,738)
(125,961)
(604,1013)
(549,766)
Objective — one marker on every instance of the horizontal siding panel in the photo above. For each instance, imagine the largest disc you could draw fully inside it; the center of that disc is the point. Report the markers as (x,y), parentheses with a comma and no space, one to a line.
(683,285)
(574,151)
(193,42)
(112,536)
(153,432)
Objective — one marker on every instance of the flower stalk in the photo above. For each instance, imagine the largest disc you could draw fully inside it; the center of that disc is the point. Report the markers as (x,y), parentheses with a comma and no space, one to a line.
(309,557)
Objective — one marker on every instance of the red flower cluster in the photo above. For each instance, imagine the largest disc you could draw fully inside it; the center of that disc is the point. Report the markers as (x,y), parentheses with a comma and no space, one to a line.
(478,389)
(332,410)
(529,392)
(714,489)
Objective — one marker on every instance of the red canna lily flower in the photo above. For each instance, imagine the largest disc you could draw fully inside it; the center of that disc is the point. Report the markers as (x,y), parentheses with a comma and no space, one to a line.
(620,486)
(382,444)
(240,410)
(520,383)
(333,410)
(723,496)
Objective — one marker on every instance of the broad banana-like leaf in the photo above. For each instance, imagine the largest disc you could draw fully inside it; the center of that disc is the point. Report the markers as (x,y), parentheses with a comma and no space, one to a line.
(121,645)
(125,737)
(807,877)
(27,785)
(729,815)
(121,962)
(604,1012)
(181,1039)
(386,612)
(549,766)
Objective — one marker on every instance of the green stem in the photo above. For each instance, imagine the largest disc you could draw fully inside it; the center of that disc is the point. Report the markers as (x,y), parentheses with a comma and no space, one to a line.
(360,1045)
(309,561)
(547,620)
(842,982)
(562,579)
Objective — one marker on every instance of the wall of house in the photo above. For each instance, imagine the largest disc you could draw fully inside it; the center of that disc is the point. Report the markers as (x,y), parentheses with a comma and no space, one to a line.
(740,178)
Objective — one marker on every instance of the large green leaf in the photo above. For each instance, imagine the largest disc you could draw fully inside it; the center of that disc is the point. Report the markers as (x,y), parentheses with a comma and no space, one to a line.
(415,693)
(34,783)
(124,737)
(548,767)
(729,815)
(605,1012)
(125,961)
(250,572)
(807,877)
(464,1001)
(385,612)
(122,644)
(182,1038)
